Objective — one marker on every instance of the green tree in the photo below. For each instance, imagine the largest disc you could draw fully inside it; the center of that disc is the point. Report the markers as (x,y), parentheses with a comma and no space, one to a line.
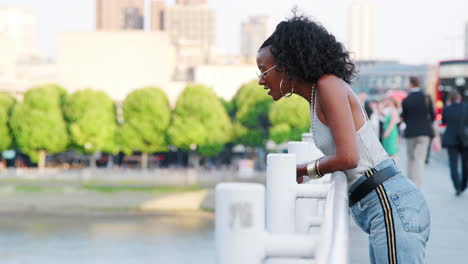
(38,125)
(228,106)
(146,115)
(289,118)
(200,120)
(251,106)
(6,105)
(92,122)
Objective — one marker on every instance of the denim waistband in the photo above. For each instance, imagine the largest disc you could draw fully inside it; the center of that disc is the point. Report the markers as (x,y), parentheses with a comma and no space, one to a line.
(382,165)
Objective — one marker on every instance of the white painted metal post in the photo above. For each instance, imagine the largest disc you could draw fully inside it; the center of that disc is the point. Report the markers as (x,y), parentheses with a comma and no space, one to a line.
(240,223)
(240,229)
(334,239)
(281,193)
(306,215)
(240,220)
(280,196)
(317,153)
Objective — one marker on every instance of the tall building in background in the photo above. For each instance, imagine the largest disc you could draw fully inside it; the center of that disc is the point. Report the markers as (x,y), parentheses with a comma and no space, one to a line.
(195,23)
(360,32)
(120,14)
(253,33)
(22,65)
(141,59)
(190,25)
(466,40)
(18,26)
(157,15)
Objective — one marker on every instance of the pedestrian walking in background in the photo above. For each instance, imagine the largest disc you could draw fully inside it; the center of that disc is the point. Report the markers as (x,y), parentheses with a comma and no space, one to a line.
(433,137)
(390,139)
(418,115)
(301,57)
(374,116)
(455,116)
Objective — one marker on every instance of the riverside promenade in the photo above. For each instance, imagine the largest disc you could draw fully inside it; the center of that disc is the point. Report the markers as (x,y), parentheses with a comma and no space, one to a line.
(448,242)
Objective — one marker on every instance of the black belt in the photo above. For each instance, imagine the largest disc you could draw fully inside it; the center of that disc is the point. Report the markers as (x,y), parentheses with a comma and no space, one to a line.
(371,183)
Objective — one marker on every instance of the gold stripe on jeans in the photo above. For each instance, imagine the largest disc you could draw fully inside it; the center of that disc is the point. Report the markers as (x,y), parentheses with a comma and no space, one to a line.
(389,226)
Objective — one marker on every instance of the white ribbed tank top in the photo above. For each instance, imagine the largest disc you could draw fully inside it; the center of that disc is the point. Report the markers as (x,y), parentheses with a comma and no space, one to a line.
(370,150)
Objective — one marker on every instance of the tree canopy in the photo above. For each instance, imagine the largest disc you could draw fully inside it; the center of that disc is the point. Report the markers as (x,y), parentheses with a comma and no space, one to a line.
(289,118)
(146,115)
(200,120)
(38,124)
(251,106)
(92,121)
(6,105)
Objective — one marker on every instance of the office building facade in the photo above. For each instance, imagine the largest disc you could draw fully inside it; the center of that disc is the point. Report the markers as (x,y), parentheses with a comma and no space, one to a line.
(360,31)
(120,15)
(253,33)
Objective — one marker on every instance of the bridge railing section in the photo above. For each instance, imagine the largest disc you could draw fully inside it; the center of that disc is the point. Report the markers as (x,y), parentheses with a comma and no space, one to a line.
(283,222)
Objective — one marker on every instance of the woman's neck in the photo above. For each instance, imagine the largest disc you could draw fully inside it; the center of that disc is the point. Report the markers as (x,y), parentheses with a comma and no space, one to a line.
(304,89)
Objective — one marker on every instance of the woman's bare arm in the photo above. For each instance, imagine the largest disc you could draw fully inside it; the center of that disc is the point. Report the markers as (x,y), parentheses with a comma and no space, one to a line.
(336,108)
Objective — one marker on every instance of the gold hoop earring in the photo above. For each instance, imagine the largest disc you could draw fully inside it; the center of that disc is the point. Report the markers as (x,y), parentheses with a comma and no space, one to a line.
(281,89)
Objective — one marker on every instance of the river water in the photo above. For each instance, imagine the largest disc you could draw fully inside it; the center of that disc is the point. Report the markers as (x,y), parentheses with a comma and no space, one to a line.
(101,239)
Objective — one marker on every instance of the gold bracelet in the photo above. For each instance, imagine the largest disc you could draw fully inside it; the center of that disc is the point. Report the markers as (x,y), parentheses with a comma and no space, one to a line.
(317,168)
(312,170)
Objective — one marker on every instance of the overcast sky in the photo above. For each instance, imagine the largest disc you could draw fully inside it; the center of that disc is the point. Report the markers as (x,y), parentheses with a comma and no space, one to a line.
(411,31)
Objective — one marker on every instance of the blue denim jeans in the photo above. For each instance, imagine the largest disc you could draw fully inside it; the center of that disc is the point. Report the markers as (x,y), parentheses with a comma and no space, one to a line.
(396,217)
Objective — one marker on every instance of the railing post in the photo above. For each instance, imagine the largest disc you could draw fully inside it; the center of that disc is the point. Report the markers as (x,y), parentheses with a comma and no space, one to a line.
(244,210)
(282,192)
(308,137)
(280,196)
(307,210)
(334,244)
(240,229)
(240,223)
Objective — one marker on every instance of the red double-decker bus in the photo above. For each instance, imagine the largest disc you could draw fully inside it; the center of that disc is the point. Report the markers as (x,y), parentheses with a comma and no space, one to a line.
(453,74)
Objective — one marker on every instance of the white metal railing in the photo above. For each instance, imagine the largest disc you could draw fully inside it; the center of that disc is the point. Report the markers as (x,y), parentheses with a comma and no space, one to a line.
(285,222)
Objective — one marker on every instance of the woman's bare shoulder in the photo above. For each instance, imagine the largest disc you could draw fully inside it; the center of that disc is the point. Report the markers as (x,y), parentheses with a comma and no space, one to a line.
(331,84)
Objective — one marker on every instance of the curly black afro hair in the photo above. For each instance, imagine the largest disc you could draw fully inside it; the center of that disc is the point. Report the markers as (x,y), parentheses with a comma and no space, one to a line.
(305,49)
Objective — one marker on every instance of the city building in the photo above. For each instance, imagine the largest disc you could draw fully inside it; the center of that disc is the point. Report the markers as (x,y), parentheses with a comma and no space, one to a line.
(193,23)
(18,25)
(253,33)
(225,79)
(120,15)
(377,77)
(8,59)
(360,31)
(190,24)
(114,62)
(192,30)
(157,15)
(22,65)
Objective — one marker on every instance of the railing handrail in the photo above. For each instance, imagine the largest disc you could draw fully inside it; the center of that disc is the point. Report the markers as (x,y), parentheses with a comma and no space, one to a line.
(255,222)
(334,242)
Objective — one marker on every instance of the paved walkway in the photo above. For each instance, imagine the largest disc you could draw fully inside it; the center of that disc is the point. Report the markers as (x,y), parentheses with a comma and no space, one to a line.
(449,216)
